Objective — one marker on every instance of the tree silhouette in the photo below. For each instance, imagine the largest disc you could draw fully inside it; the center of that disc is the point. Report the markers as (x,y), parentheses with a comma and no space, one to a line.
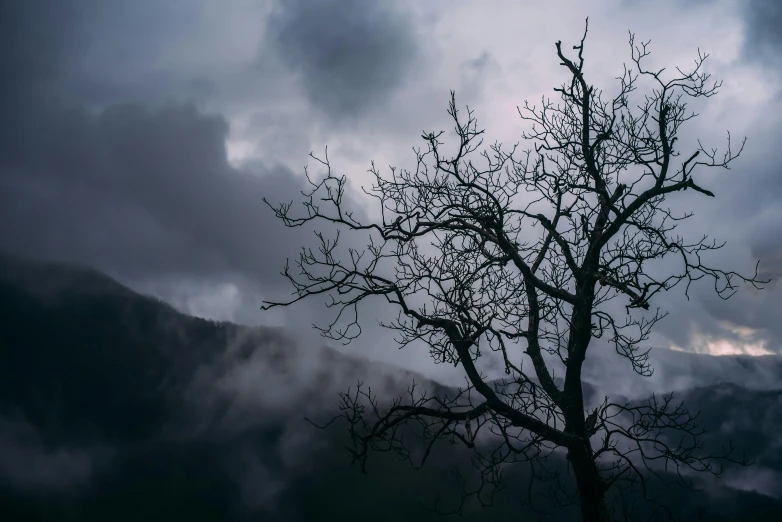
(524,255)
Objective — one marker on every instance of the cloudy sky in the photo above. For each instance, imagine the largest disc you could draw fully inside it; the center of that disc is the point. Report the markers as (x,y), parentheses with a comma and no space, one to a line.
(139,137)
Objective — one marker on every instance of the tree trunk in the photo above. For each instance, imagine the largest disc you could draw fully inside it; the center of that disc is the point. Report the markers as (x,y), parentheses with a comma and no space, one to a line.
(591,488)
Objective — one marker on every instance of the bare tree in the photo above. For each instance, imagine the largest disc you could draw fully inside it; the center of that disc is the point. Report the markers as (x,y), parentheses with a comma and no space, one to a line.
(523,255)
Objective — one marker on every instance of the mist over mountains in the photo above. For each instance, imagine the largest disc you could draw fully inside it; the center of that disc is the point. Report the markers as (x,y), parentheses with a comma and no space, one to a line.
(115,406)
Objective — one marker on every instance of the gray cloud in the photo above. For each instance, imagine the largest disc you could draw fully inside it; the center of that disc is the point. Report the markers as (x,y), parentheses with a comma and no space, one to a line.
(762,20)
(100,52)
(764,28)
(142,191)
(37,40)
(746,214)
(350,54)
(265,381)
(263,377)
(138,192)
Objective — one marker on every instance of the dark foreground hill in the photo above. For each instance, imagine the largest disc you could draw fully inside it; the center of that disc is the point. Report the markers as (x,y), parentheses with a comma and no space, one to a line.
(114,406)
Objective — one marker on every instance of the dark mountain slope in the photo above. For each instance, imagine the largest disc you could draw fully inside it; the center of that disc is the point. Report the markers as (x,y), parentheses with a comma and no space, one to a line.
(132,392)
(114,406)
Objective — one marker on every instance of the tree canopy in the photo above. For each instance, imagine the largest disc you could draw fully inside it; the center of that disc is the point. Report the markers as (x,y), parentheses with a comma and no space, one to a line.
(534,255)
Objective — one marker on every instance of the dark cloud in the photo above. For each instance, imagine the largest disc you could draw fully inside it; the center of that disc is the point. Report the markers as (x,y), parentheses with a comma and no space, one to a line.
(140,192)
(350,54)
(143,191)
(763,34)
(37,39)
(762,20)
(99,52)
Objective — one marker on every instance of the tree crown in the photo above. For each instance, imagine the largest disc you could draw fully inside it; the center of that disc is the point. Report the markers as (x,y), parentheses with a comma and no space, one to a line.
(524,254)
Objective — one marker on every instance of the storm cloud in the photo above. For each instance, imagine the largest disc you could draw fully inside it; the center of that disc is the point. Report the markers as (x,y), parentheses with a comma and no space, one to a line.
(764,33)
(141,190)
(349,54)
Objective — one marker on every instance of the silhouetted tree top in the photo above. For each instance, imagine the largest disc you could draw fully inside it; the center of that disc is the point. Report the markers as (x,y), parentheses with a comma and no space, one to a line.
(532,255)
